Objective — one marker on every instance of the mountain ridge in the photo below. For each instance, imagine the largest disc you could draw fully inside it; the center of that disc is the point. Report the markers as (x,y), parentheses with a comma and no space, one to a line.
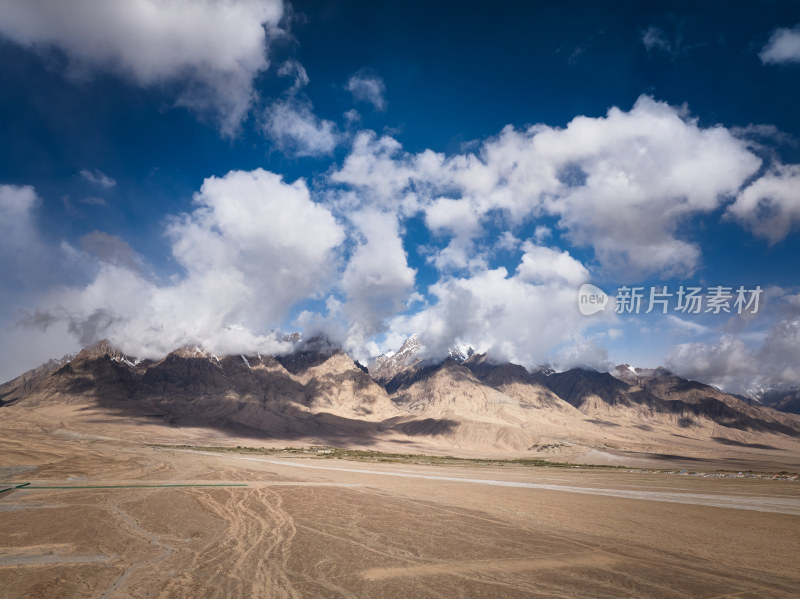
(319,390)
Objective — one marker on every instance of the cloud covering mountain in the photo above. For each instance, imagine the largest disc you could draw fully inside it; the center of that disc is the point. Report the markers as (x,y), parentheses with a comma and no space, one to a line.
(376,237)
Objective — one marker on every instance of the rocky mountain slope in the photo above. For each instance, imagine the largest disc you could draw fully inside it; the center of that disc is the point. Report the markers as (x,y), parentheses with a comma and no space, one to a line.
(471,402)
(785,400)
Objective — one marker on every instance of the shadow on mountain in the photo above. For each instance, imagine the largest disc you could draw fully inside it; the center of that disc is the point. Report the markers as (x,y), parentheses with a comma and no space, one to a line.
(420,427)
(673,456)
(422,371)
(668,394)
(601,422)
(252,397)
(725,441)
(320,393)
(286,422)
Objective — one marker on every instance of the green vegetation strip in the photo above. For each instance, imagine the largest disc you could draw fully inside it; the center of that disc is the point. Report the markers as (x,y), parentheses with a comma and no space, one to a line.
(326,452)
(131,486)
(16,486)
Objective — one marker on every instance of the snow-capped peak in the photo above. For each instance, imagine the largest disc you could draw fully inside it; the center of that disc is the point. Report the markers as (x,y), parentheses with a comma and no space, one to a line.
(461,352)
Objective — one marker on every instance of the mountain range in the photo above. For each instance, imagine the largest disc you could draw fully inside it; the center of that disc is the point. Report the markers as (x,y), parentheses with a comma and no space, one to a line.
(466,402)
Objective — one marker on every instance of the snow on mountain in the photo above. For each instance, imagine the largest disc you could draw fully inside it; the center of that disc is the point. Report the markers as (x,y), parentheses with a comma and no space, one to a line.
(461,352)
(386,366)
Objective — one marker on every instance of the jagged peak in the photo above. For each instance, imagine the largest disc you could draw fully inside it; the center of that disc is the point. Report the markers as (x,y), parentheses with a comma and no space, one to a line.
(190,351)
(105,348)
(461,352)
(626,372)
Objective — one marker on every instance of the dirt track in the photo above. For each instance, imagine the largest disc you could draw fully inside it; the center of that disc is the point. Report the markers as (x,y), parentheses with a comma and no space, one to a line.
(331,528)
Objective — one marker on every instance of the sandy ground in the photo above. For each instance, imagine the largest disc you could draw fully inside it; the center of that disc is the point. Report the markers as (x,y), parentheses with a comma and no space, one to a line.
(330,528)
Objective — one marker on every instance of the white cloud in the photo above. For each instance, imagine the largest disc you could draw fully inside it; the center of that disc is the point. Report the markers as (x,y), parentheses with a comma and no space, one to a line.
(507,242)
(541,233)
(368,88)
(97,177)
(29,266)
(352,116)
(460,219)
(27,261)
(687,325)
(654,38)
(546,265)
(748,361)
(17,227)
(623,184)
(780,353)
(212,49)
(269,230)
(376,167)
(770,206)
(783,46)
(292,68)
(505,315)
(646,172)
(582,353)
(252,247)
(295,129)
(769,132)
(727,364)
(377,280)
(454,216)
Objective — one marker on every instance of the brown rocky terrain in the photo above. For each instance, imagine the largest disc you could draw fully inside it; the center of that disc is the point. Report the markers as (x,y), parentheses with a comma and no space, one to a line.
(171,478)
(475,406)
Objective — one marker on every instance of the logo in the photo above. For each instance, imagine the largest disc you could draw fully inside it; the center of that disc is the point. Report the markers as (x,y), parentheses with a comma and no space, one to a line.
(591,299)
(685,299)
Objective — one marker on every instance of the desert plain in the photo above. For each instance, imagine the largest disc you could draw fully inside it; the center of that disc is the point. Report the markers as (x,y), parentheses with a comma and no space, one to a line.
(151,511)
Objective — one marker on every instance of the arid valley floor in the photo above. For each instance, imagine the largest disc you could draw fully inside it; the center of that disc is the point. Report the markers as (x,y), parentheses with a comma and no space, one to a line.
(299,525)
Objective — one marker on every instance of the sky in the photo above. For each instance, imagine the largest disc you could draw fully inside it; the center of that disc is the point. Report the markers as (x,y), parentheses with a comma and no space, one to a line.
(212,173)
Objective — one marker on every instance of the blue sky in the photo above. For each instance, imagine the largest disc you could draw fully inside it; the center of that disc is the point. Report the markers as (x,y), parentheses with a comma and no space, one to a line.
(205,173)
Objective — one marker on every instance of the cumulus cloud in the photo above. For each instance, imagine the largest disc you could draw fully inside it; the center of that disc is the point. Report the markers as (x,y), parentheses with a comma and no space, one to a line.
(96,177)
(504,315)
(17,225)
(368,88)
(250,249)
(528,317)
(507,242)
(732,365)
(646,172)
(582,352)
(30,265)
(461,220)
(783,46)
(377,281)
(211,49)
(295,129)
(546,265)
(748,362)
(622,184)
(770,206)
(381,172)
(28,262)
(254,248)
(727,364)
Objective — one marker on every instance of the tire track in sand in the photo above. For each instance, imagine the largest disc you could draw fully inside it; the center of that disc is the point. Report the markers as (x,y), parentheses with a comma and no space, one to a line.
(133,526)
(251,558)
